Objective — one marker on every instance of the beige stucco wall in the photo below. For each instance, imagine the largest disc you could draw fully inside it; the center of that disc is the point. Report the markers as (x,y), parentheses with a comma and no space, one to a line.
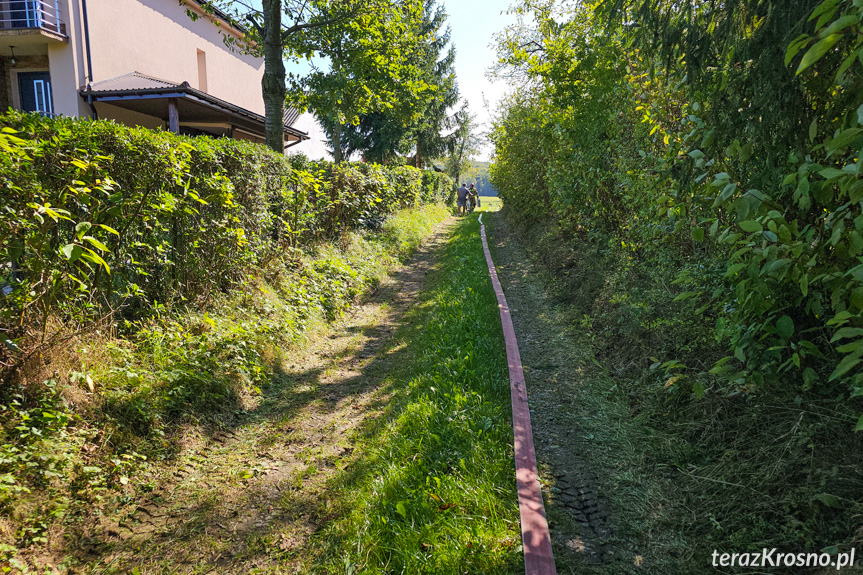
(157,38)
(67,63)
(128,117)
(317,146)
(154,37)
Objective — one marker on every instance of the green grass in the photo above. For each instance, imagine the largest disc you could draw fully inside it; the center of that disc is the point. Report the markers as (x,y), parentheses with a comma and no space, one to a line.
(489,204)
(186,369)
(434,491)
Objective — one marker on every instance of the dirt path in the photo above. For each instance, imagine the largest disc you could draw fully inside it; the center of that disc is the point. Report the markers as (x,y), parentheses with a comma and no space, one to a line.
(582,525)
(248,500)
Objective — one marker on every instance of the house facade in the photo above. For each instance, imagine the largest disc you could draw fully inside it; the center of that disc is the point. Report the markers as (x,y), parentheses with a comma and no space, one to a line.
(139,62)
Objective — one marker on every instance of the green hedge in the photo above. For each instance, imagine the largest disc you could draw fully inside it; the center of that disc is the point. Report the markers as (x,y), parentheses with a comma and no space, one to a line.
(98,217)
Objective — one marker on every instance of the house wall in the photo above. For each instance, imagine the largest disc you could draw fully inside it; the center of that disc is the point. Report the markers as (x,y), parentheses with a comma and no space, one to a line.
(157,38)
(128,117)
(317,146)
(154,37)
(67,63)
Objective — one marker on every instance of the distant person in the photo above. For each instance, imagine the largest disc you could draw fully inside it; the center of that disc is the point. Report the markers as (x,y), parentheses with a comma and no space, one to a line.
(461,198)
(472,196)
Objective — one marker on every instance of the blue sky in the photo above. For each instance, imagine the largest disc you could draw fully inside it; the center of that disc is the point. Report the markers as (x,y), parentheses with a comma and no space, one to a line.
(474,23)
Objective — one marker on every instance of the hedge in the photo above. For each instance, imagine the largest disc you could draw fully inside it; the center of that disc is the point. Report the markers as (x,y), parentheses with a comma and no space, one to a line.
(97,218)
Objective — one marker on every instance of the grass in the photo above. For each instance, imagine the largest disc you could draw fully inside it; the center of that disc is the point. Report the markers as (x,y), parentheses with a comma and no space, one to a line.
(489,204)
(116,413)
(433,490)
(685,474)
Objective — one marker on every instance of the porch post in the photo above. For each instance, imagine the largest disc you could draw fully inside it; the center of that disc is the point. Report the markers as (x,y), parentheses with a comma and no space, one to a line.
(173,116)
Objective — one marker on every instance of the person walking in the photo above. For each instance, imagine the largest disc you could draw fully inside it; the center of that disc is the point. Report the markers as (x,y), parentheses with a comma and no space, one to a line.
(461,198)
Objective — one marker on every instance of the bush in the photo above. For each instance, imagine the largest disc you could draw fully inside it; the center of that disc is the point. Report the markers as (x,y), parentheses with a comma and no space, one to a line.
(99,219)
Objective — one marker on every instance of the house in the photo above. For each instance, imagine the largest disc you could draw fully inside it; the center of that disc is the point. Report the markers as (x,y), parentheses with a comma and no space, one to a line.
(138,62)
(317,146)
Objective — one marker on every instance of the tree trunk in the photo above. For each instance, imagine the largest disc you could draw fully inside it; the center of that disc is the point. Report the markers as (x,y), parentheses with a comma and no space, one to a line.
(336,138)
(273,82)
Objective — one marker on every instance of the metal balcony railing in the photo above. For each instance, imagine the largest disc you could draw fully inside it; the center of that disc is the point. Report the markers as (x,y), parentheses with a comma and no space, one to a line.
(24,14)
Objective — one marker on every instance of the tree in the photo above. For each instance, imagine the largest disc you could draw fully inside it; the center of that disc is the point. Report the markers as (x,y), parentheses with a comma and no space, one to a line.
(370,69)
(384,134)
(464,143)
(439,70)
(280,29)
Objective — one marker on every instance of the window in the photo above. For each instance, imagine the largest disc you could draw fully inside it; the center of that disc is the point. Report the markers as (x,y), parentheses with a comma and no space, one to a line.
(34,90)
(202,70)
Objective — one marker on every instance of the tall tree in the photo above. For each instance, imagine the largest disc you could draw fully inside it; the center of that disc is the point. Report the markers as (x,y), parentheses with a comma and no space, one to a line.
(438,56)
(383,135)
(463,143)
(371,68)
(282,29)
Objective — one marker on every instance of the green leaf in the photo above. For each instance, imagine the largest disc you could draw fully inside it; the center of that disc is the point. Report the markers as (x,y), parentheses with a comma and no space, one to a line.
(82,228)
(817,51)
(777,265)
(827,6)
(401,509)
(734,269)
(785,327)
(686,295)
(831,173)
(97,244)
(827,499)
(846,332)
(109,229)
(813,130)
(859,426)
(845,138)
(795,46)
(697,234)
(750,226)
(72,252)
(91,256)
(847,363)
(840,24)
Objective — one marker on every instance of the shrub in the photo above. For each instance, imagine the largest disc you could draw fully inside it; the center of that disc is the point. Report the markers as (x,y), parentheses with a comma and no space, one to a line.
(99,219)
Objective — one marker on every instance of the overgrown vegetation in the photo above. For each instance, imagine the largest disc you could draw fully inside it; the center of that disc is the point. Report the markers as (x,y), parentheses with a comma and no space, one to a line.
(154,282)
(692,175)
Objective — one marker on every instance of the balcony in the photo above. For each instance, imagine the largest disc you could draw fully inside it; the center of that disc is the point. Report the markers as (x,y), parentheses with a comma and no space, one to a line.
(24,23)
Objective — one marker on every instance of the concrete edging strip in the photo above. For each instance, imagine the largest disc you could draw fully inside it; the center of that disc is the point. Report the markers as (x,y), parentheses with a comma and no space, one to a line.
(536,539)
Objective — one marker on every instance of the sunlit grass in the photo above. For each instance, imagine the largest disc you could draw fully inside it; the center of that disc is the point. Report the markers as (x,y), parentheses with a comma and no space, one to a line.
(434,489)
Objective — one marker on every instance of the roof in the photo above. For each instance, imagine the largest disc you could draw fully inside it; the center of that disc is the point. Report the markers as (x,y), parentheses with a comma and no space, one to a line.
(135,85)
(133,81)
(291,115)
(207,6)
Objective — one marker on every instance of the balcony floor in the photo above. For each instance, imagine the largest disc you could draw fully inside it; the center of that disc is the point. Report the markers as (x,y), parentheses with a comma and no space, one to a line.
(26,39)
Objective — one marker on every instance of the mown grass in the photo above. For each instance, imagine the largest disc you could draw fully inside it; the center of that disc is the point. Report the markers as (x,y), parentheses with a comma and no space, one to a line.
(433,490)
(686,474)
(94,436)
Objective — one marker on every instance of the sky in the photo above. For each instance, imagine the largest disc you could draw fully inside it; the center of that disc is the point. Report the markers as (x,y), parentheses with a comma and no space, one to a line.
(474,24)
